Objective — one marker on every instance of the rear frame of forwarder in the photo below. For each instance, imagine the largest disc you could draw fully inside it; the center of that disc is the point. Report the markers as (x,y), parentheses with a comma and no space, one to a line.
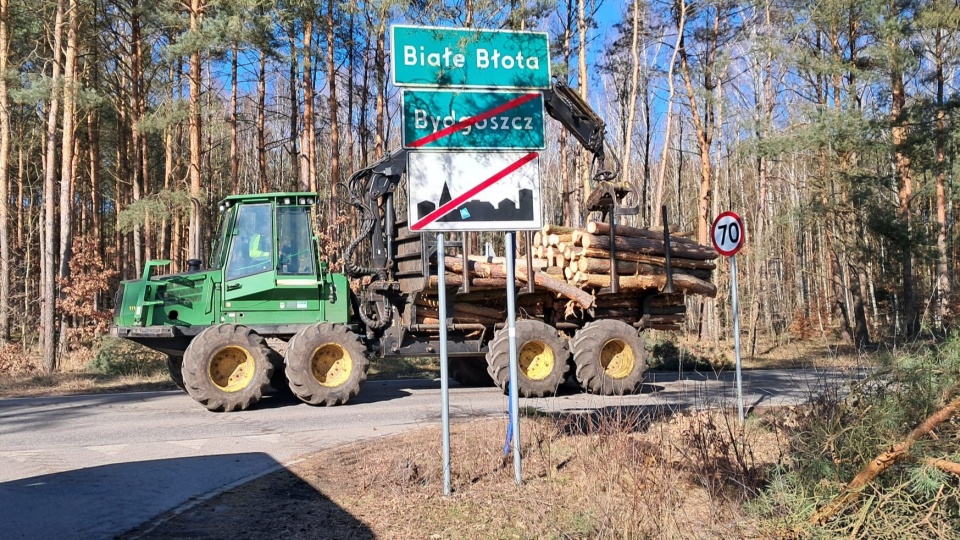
(267,311)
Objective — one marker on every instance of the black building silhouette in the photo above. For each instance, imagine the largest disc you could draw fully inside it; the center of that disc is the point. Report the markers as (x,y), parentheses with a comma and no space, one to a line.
(478,210)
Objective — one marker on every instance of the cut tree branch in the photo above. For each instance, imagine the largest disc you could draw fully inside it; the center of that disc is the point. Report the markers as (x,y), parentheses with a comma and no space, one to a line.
(884,461)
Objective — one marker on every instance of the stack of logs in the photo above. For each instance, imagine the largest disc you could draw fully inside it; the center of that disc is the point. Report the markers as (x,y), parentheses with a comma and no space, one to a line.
(574,264)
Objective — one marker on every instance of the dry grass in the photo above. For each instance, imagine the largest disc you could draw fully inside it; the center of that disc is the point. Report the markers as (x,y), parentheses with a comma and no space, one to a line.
(623,475)
(23,376)
(769,353)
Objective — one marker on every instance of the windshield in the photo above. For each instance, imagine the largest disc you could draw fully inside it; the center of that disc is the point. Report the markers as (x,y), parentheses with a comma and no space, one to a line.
(252,249)
(224,226)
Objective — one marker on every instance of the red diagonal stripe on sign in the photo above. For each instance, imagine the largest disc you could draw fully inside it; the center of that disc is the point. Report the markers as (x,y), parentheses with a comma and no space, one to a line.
(446,208)
(513,103)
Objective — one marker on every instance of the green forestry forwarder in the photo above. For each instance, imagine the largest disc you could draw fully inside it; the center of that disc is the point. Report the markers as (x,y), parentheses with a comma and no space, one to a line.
(266,311)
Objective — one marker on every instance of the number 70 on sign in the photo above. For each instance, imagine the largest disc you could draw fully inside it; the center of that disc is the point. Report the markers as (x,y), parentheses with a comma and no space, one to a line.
(727,234)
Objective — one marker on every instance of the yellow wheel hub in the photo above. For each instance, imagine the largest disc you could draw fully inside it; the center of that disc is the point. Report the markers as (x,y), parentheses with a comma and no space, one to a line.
(232,368)
(331,365)
(536,360)
(617,359)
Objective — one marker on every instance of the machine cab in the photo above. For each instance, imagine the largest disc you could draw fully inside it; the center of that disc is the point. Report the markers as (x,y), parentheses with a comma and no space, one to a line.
(266,252)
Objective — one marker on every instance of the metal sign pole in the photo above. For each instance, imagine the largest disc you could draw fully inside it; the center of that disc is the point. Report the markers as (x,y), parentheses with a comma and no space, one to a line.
(512,333)
(444,380)
(728,235)
(736,333)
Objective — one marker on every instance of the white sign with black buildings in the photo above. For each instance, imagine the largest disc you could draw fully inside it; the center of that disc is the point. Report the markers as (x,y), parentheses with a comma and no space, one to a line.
(474,191)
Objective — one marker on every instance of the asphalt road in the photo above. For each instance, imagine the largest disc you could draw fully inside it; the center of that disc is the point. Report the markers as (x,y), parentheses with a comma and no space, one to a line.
(95,466)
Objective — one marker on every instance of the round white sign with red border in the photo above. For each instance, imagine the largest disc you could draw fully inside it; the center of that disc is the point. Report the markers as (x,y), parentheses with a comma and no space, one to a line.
(727,234)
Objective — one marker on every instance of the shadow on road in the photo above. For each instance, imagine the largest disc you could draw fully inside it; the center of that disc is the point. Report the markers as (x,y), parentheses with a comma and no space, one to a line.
(120,499)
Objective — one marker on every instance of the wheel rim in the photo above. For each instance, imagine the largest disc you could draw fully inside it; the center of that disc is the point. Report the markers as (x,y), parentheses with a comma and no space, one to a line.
(331,365)
(617,359)
(536,360)
(232,369)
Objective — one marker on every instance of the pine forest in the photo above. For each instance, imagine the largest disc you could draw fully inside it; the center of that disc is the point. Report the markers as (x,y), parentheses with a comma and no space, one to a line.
(832,127)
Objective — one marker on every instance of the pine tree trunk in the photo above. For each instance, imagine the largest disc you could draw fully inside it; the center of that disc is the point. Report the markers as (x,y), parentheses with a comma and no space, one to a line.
(568,188)
(262,123)
(93,152)
(234,135)
(634,93)
(902,167)
(67,149)
(660,187)
(196,137)
(704,128)
(4,175)
(944,285)
(332,101)
(308,178)
(381,64)
(351,142)
(583,81)
(49,340)
(295,151)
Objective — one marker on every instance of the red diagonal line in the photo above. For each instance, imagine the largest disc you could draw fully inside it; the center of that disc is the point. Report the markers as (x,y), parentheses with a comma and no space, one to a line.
(515,102)
(445,209)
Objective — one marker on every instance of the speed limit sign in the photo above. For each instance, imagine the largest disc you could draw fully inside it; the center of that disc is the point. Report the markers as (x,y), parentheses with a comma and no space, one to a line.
(727,234)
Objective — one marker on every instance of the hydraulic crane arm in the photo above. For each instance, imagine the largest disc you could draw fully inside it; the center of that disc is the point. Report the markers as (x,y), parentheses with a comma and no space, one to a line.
(566,106)
(365,188)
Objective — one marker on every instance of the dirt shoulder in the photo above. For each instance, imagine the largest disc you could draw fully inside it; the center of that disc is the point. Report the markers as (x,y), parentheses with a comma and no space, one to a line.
(585,476)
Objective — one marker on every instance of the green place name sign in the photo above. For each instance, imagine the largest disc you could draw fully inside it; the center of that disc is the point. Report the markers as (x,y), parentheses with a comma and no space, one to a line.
(453,57)
(473,120)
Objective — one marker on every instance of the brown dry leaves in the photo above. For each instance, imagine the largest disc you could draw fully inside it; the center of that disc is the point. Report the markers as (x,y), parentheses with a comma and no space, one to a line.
(89,278)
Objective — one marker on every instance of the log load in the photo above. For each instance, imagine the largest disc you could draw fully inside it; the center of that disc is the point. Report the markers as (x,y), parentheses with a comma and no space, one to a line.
(645,246)
(572,279)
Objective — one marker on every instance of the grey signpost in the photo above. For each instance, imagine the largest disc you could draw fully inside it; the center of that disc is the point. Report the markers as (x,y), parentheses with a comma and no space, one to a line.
(495,186)
(444,367)
(727,235)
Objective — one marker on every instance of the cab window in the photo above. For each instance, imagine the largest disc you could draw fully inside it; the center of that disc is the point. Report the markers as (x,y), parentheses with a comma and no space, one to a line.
(251,251)
(295,238)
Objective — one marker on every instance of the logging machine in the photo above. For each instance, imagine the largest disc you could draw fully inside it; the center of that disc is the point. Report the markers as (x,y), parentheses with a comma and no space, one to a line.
(266,312)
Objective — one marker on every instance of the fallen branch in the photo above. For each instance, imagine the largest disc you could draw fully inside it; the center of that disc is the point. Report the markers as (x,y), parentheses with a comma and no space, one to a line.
(944,465)
(883,462)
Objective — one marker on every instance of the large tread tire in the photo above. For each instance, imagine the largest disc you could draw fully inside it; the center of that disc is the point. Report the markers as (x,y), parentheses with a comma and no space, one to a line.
(278,382)
(175,369)
(470,372)
(326,364)
(610,358)
(227,368)
(541,356)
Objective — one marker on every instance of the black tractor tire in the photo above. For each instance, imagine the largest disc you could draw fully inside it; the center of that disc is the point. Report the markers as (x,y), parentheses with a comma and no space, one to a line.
(174,368)
(541,357)
(278,382)
(227,368)
(326,364)
(470,372)
(609,357)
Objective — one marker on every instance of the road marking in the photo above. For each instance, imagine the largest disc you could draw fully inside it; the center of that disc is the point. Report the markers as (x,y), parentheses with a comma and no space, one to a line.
(108,449)
(196,444)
